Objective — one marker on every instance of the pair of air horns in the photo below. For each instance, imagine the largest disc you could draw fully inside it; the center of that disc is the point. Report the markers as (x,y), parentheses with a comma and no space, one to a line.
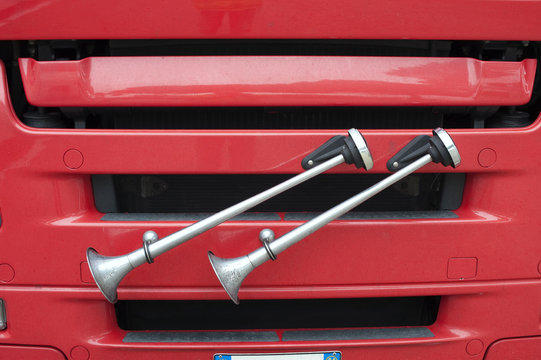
(108,271)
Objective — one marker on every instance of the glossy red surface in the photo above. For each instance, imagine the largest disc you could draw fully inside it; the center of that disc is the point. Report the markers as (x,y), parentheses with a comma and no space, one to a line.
(276,81)
(49,219)
(319,19)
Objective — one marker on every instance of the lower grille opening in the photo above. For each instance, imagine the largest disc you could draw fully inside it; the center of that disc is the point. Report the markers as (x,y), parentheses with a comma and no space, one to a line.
(137,315)
(192,194)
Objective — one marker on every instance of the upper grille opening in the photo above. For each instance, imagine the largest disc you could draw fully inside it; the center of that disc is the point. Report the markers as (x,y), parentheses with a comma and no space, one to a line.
(269,118)
(288,118)
(334,47)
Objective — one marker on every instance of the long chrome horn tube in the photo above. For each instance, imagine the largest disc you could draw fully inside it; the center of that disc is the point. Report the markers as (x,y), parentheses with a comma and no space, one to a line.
(421,151)
(108,271)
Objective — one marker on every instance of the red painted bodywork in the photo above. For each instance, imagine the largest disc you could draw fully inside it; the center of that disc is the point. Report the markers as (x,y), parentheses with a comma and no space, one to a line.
(486,264)
(271,19)
(276,81)
(49,219)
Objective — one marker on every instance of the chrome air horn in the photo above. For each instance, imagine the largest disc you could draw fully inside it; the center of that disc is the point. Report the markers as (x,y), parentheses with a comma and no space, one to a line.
(108,271)
(423,150)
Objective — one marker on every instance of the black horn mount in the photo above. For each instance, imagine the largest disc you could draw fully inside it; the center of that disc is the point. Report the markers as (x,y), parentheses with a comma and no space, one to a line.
(336,145)
(439,146)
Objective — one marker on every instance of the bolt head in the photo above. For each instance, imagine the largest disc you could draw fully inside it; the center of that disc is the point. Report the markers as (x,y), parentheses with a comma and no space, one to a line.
(395,164)
(266,235)
(310,162)
(150,237)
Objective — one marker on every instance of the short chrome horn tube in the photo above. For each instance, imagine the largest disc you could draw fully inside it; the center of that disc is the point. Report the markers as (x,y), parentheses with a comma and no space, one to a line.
(108,271)
(439,148)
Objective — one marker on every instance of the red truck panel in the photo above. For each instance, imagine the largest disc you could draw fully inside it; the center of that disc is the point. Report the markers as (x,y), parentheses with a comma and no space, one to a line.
(49,219)
(276,81)
(277,19)
(485,263)
(470,319)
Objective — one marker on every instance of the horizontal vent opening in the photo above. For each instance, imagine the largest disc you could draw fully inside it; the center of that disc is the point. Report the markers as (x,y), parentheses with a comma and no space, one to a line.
(140,315)
(314,47)
(174,194)
(267,118)
(76,49)
(272,118)
(288,118)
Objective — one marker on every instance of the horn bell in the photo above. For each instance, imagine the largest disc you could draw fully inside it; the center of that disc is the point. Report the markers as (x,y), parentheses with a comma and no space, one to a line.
(107,272)
(231,273)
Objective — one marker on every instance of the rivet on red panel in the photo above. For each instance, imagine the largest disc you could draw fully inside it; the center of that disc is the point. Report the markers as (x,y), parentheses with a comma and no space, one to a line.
(79,353)
(73,159)
(6,273)
(475,347)
(487,157)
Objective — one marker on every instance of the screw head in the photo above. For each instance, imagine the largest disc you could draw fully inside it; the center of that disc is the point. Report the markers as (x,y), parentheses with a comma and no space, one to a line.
(150,237)
(310,162)
(395,164)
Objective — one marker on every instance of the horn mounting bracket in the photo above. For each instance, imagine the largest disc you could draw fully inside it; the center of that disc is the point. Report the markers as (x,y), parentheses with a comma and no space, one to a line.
(437,146)
(340,144)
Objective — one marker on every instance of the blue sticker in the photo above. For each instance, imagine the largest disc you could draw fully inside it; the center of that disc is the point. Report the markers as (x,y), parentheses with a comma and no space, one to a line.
(222,357)
(332,356)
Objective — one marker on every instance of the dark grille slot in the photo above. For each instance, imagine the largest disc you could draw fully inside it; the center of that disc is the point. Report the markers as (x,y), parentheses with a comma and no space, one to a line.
(212,193)
(270,118)
(316,47)
(276,314)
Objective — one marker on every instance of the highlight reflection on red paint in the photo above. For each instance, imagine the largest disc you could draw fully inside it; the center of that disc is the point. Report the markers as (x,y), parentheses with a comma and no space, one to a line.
(239,12)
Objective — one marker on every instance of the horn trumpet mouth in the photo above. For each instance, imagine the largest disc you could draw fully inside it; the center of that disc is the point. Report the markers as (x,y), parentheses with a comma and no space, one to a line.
(214,261)
(97,264)
(231,273)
